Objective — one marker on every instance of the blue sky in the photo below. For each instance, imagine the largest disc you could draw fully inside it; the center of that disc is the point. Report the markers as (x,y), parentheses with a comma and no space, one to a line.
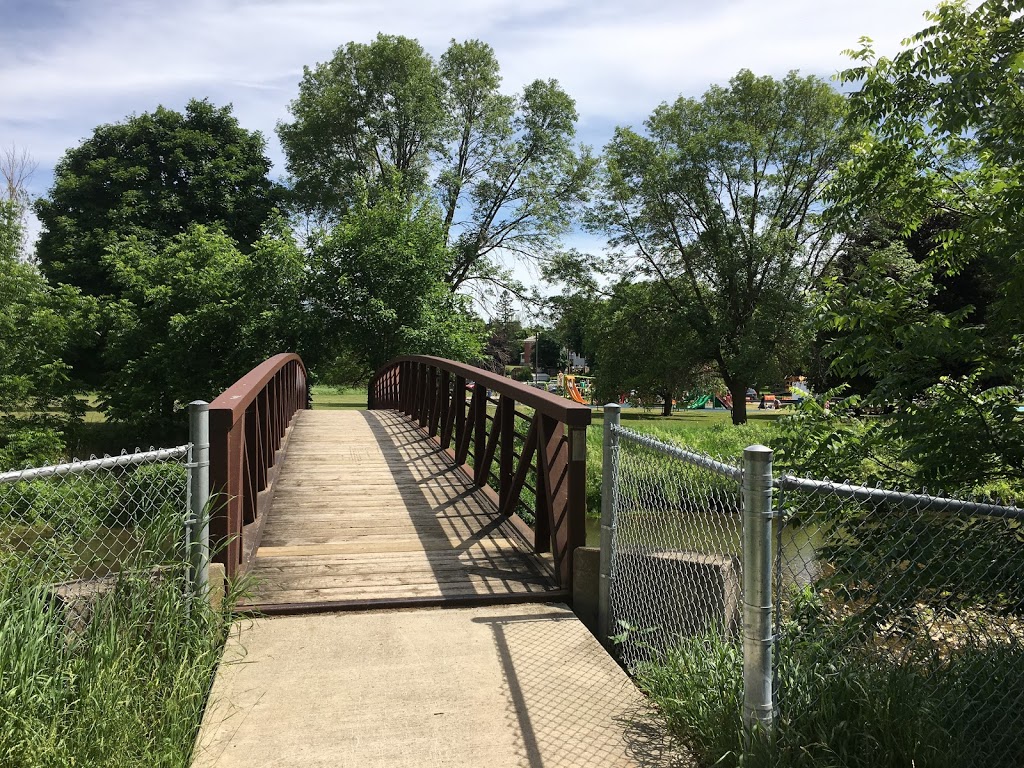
(70,65)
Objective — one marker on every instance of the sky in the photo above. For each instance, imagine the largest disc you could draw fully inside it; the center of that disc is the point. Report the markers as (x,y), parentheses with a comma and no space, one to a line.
(70,65)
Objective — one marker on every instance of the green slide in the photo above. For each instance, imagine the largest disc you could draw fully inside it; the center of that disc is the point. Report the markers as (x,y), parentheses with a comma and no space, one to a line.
(699,403)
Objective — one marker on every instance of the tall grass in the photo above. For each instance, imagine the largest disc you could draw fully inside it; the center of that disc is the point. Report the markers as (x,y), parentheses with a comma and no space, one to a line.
(854,709)
(123,684)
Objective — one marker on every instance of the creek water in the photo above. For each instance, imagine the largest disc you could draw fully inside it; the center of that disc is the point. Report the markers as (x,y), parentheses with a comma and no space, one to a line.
(719,533)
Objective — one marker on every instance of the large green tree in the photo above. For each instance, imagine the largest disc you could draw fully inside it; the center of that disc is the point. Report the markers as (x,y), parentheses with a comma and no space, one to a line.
(503,169)
(643,344)
(721,196)
(151,177)
(194,313)
(377,283)
(941,333)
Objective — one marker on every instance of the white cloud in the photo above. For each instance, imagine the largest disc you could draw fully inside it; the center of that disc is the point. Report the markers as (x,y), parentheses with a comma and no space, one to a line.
(88,63)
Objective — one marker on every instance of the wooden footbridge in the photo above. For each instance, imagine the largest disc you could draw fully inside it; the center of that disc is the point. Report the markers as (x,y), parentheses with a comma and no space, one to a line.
(456,489)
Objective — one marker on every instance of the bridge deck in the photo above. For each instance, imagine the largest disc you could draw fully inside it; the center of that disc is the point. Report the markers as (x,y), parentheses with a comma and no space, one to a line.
(367,511)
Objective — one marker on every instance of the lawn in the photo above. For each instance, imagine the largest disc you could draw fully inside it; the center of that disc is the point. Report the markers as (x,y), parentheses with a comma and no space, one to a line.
(334,398)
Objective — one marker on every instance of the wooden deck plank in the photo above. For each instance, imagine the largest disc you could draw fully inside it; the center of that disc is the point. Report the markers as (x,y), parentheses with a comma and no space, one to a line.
(366,507)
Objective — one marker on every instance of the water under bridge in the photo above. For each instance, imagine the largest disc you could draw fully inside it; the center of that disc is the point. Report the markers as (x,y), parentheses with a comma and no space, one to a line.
(409,572)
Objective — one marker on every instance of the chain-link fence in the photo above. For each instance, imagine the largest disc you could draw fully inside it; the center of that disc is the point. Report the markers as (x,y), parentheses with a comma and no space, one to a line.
(676,567)
(78,525)
(896,634)
(918,600)
(71,534)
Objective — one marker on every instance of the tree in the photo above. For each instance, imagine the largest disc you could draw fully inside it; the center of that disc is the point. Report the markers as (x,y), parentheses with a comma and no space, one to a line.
(150,178)
(195,312)
(503,169)
(372,112)
(38,407)
(16,168)
(722,197)
(643,344)
(941,334)
(378,282)
(505,335)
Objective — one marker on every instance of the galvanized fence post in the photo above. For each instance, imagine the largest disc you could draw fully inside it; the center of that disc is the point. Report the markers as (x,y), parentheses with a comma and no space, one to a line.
(757,588)
(611,441)
(199,494)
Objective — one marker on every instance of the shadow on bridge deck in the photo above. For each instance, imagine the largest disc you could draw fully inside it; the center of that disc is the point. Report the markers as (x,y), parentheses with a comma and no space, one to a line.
(496,686)
(368,512)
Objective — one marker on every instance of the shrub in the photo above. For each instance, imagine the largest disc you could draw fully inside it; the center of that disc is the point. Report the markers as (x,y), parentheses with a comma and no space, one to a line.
(73,503)
(519,372)
(154,491)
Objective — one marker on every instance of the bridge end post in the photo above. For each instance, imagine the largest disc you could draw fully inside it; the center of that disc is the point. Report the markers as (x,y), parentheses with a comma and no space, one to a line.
(612,413)
(199,495)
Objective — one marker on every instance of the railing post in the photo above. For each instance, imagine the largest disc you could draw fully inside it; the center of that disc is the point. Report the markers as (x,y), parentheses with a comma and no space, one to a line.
(576,499)
(506,453)
(199,495)
(757,589)
(609,464)
(479,415)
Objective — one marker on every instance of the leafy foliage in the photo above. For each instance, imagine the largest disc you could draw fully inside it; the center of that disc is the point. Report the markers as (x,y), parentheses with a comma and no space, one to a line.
(503,169)
(940,156)
(643,344)
(720,201)
(378,278)
(151,177)
(194,313)
(37,390)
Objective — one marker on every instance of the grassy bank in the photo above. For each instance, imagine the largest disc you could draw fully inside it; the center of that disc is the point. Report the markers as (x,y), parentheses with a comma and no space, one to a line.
(858,707)
(104,660)
(127,690)
(333,398)
(710,432)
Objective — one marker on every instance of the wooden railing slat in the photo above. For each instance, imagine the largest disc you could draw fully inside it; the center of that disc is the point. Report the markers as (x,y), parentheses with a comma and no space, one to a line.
(432,392)
(248,422)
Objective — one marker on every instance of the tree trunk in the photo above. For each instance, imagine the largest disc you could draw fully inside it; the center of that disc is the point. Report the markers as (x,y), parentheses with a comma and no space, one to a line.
(738,390)
(666,409)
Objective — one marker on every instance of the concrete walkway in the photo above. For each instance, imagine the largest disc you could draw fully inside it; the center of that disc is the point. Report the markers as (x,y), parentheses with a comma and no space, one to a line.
(515,685)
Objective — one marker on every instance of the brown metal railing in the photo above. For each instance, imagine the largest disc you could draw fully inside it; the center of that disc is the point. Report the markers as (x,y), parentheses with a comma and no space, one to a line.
(248,422)
(450,402)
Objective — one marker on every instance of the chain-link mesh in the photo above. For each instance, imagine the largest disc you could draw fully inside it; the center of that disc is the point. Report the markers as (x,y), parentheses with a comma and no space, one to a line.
(74,528)
(914,599)
(675,569)
(899,618)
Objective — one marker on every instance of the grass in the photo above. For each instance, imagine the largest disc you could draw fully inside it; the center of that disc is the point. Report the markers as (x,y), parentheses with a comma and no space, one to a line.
(333,398)
(123,687)
(128,690)
(710,432)
(848,707)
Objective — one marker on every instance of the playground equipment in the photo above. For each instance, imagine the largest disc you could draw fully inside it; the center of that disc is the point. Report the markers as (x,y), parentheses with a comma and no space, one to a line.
(699,403)
(716,401)
(573,390)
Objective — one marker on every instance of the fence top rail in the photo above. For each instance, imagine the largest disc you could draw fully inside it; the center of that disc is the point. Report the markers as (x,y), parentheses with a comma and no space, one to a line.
(697,459)
(572,414)
(240,395)
(91,465)
(900,498)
